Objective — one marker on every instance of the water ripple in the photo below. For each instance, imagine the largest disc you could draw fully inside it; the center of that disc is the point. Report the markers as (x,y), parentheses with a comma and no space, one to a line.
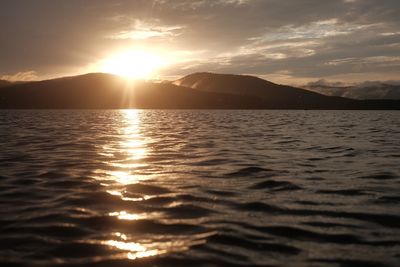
(200,188)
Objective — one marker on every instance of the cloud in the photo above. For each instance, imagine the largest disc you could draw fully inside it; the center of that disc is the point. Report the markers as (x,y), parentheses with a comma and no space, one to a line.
(142,30)
(305,39)
(21,76)
(364,90)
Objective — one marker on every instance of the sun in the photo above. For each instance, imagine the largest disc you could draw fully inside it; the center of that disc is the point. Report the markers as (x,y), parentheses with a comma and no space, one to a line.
(133,64)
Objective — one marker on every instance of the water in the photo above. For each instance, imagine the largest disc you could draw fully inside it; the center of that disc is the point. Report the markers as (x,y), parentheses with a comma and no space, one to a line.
(199,188)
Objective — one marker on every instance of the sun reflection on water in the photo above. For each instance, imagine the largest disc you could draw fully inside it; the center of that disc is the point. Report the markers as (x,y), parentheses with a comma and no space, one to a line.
(123,215)
(124,178)
(135,250)
(126,157)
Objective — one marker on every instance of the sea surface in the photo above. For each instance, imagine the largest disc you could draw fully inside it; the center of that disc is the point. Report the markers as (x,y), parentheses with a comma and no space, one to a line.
(199,188)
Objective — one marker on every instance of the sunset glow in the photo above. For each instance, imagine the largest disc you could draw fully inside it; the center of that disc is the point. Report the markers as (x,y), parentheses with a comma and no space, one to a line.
(134,64)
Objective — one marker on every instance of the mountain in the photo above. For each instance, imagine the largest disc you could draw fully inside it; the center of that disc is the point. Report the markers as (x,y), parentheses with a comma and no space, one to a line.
(196,91)
(249,85)
(242,85)
(4,83)
(98,91)
(275,95)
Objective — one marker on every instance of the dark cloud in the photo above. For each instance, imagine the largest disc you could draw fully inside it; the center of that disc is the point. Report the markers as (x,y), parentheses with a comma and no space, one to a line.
(293,40)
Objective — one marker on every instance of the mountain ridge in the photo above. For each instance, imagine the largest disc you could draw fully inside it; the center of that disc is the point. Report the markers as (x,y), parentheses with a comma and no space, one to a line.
(195,91)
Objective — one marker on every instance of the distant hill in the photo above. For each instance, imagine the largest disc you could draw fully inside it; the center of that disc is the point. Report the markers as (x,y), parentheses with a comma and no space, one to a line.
(275,95)
(196,91)
(250,85)
(4,83)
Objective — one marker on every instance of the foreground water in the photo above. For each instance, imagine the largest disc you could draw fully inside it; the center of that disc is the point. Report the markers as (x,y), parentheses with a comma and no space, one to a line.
(199,188)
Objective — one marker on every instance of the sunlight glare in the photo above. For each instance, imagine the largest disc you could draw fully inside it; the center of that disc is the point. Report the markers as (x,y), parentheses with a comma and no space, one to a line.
(123,215)
(134,64)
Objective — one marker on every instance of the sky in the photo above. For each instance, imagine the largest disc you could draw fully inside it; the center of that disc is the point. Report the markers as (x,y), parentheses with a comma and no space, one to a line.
(285,41)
